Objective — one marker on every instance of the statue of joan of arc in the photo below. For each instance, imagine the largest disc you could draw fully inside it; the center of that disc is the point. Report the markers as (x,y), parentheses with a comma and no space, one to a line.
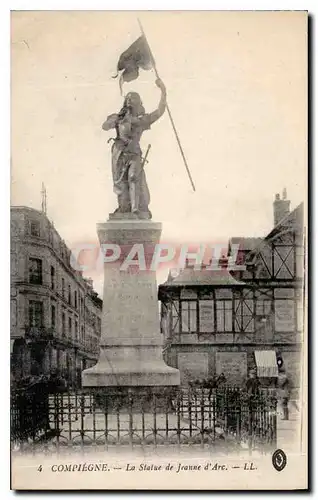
(129,177)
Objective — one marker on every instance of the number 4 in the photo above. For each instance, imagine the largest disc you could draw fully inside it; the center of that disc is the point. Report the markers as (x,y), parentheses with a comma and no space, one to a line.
(40,468)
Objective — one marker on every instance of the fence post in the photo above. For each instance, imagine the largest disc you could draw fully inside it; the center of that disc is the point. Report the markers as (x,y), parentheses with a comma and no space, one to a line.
(56,399)
(202,417)
(225,403)
(76,405)
(143,410)
(105,407)
(250,423)
(82,417)
(190,410)
(238,419)
(154,399)
(167,407)
(178,419)
(214,417)
(274,433)
(118,419)
(130,416)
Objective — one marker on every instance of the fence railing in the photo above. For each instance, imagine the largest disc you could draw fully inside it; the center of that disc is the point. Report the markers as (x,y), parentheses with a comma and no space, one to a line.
(227,417)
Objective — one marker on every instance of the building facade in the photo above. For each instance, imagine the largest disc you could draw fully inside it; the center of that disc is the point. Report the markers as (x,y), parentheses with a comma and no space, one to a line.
(55,313)
(229,321)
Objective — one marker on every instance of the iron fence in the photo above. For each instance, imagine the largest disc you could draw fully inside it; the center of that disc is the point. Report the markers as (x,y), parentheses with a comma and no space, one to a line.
(228,417)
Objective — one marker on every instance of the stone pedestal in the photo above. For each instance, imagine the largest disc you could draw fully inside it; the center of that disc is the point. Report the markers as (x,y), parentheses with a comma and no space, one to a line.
(131,342)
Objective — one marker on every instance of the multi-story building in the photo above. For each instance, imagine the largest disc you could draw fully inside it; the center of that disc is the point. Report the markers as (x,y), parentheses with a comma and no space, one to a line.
(55,313)
(230,321)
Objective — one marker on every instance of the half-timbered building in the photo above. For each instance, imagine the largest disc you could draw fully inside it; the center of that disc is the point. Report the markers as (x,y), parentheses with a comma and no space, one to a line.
(225,321)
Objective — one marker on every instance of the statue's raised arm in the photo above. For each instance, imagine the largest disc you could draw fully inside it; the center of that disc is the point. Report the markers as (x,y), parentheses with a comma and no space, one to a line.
(155,115)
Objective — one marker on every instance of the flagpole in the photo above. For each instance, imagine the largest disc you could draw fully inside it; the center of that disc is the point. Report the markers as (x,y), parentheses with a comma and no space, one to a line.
(168,110)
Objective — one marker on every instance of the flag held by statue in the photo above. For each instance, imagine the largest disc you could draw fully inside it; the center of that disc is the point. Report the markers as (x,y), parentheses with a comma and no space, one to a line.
(136,57)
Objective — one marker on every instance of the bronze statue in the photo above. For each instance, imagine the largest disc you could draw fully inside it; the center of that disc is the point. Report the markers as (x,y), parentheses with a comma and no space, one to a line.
(129,178)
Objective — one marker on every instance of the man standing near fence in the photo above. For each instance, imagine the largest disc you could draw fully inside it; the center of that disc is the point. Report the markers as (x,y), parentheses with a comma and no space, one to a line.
(252,383)
(283,392)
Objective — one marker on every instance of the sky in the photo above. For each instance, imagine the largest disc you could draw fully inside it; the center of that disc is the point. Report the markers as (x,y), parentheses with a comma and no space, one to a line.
(237,89)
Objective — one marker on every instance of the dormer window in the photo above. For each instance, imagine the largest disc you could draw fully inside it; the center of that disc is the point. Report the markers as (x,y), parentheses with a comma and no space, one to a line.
(35,228)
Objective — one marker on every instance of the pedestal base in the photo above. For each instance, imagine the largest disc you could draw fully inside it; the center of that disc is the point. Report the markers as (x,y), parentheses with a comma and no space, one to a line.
(130,216)
(131,374)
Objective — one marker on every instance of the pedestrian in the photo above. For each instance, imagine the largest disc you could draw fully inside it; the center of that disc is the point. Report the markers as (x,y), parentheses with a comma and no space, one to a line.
(283,392)
(252,383)
(220,381)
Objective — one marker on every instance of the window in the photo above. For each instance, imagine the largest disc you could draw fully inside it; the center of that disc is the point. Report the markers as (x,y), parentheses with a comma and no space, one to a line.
(14,264)
(189,316)
(63,287)
(35,271)
(300,261)
(35,313)
(284,315)
(76,330)
(244,317)
(70,326)
(35,228)
(263,307)
(224,315)
(82,305)
(69,294)
(75,299)
(175,316)
(13,311)
(53,317)
(300,314)
(93,320)
(82,333)
(63,324)
(285,320)
(52,278)
(206,316)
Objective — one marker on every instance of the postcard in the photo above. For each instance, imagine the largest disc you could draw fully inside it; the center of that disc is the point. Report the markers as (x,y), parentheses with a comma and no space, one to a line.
(159,250)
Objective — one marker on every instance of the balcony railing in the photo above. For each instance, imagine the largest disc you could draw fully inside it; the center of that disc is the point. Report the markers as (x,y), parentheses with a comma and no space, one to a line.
(42,333)
(39,332)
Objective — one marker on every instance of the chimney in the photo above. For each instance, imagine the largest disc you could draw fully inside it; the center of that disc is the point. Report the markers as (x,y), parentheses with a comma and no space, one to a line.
(89,282)
(281,207)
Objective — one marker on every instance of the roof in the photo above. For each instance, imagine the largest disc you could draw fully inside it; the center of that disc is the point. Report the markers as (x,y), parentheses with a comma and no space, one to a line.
(294,218)
(23,208)
(97,300)
(291,220)
(246,244)
(202,277)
